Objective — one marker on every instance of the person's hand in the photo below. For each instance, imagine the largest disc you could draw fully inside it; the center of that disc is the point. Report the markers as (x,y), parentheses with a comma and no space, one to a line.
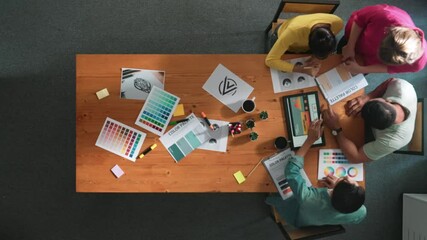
(311,70)
(330,118)
(352,66)
(312,61)
(347,53)
(315,130)
(329,181)
(354,106)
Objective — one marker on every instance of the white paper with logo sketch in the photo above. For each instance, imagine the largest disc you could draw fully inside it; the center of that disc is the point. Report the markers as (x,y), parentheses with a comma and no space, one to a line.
(285,81)
(338,83)
(137,83)
(227,87)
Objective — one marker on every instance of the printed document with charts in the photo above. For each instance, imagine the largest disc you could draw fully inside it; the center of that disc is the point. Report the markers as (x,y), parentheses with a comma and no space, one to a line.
(288,81)
(337,84)
(275,165)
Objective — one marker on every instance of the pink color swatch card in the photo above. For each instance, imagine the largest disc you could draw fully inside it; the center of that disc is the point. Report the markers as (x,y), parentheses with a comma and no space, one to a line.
(120,139)
(117,171)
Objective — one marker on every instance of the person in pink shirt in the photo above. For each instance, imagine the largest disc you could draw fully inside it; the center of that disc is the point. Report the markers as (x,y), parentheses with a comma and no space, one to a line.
(386,39)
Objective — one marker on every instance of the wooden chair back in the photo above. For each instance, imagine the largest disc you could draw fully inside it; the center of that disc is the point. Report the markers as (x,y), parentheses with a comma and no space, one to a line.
(417,144)
(303,7)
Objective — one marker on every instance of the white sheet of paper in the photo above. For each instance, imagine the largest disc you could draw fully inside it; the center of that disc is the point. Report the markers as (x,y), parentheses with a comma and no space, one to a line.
(228,88)
(333,161)
(184,137)
(338,83)
(138,84)
(284,81)
(219,137)
(275,165)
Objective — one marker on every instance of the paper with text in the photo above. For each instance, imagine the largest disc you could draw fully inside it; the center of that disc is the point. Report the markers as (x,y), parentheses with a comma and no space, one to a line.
(185,137)
(275,166)
(337,84)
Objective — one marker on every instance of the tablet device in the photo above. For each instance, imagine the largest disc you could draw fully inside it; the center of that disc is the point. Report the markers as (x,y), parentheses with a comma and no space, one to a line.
(300,110)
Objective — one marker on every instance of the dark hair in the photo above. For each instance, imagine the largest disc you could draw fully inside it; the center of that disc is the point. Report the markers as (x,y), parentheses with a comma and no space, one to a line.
(379,115)
(322,42)
(347,197)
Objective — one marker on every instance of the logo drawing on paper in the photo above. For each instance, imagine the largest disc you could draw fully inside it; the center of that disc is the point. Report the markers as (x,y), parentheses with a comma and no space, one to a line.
(227,87)
(142,85)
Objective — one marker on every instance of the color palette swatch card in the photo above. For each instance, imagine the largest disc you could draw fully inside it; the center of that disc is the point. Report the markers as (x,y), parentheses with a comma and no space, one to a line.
(185,137)
(337,84)
(157,111)
(333,162)
(228,88)
(120,139)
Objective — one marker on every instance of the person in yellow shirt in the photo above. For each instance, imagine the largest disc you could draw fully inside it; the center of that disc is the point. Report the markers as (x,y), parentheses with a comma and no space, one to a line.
(311,33)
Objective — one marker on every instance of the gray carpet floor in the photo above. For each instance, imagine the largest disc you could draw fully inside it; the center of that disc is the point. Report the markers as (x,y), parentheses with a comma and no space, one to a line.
(38,43)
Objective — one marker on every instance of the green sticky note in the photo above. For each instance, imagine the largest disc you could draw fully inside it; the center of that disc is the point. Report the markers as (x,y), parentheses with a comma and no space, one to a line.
(239,177)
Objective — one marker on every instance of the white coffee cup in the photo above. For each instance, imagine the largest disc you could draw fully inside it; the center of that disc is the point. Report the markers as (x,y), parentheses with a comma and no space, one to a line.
(248,105)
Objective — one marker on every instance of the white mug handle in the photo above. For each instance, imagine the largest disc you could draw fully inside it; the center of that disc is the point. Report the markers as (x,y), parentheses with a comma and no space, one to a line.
(253,99)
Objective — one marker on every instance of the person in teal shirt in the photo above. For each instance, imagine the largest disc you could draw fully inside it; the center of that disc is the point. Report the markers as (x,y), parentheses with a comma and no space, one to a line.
(340,202)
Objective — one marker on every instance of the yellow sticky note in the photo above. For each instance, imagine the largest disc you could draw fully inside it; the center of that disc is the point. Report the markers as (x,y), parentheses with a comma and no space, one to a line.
(179,110)
(102,93)
(239,177)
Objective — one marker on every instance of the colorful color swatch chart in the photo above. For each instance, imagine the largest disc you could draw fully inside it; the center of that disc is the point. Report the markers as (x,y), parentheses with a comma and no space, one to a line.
(157,111)
(333,162)
(185,137)
(120,139)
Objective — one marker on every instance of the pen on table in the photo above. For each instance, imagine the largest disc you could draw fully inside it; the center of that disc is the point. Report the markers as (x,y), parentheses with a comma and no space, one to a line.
(207,121)
(146,151)
(308,67)
(253,169)
(178,121)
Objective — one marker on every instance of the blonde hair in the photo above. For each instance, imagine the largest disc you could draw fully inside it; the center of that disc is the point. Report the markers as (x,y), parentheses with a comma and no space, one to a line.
(400,46)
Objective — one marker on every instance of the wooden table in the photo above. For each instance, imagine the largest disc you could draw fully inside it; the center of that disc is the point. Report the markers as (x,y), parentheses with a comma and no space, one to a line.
(201,171)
